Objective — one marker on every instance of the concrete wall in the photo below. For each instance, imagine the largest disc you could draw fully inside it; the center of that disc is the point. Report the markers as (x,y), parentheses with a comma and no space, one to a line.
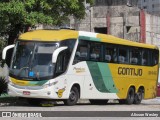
(122,21)
(152,29)
(115,2)
(118,20)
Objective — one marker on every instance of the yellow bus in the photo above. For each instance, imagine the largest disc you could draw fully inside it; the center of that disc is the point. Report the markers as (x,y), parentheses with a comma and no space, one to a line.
(69,65)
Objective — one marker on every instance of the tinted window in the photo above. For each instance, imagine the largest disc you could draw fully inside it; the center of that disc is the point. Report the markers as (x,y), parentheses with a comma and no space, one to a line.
(95,51)
(135,56)
(113,53)
(110,53)
(154,57)
(62,62)
(145,56)
(82,52)
(123,56)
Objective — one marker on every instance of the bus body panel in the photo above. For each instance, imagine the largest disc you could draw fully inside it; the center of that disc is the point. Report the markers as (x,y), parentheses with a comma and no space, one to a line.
(82,72)
(137,76)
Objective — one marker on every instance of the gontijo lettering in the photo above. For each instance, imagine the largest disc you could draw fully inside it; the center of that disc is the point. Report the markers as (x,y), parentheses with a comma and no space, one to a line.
(130,71)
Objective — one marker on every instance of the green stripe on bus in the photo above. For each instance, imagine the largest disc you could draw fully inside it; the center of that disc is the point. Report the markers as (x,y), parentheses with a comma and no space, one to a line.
(102,77)
(107,77)
(97,77)
(89,38)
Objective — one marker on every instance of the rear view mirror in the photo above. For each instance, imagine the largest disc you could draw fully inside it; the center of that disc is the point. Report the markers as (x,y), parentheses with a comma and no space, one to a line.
(5,51)
(56,52)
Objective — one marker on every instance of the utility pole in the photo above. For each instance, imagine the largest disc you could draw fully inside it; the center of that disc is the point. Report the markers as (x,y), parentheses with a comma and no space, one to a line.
(108,21)
(124,24)
(88,8)
(137,35)
(90,20)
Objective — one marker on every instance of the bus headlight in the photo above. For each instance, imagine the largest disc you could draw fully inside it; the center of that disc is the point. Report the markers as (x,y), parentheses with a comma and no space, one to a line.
(50,84)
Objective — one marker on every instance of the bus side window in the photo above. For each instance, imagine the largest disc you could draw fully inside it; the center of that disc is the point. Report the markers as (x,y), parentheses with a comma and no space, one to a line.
(70,43)
(81,52)
(123,56)
(95,51)
(135,56)
(155,59)
(145,57)
(62,62)
(110,54)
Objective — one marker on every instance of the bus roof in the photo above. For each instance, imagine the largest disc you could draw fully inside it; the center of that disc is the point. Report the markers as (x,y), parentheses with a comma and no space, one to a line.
(116,40)
(58,35)
(49,35)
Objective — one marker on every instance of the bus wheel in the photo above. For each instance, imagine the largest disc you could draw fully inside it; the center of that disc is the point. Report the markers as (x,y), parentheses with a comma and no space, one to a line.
(130,96)
(98,102)
(73,97)
(138,97)
(34,102)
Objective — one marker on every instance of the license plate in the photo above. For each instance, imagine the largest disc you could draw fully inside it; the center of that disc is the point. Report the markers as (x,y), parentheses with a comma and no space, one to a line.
(26,93)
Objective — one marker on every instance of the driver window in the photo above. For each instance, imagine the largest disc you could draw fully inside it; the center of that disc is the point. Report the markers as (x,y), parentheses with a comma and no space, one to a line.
(62,62)
(82,52)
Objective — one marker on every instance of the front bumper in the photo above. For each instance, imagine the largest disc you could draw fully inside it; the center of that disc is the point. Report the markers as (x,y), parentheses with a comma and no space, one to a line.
(46,93)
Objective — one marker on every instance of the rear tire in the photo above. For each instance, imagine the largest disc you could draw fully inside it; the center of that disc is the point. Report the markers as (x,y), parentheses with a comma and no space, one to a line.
(73,97)
(130,96)
(98,102)
(138,97)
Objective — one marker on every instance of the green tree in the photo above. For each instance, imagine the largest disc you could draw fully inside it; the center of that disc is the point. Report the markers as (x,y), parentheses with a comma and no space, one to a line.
(3,85)
(16,16)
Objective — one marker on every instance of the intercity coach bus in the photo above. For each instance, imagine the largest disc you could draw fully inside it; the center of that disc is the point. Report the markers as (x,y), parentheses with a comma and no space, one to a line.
(69,65)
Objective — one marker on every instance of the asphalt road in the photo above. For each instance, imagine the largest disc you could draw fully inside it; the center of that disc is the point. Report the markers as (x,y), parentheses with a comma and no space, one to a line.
(82,110)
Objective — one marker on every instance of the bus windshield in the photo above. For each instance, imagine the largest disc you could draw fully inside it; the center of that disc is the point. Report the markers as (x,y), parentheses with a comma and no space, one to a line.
(33,60)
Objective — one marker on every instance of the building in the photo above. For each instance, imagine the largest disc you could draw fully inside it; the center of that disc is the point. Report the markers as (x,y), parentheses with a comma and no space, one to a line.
(151,6)
(122,19)
(116,2)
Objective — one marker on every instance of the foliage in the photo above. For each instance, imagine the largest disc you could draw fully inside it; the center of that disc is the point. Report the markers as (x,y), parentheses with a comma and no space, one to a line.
(17,15)
(3,85)
(2,45)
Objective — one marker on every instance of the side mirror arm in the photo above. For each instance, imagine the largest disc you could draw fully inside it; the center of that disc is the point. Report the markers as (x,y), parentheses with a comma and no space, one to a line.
(5,51)
(56,52)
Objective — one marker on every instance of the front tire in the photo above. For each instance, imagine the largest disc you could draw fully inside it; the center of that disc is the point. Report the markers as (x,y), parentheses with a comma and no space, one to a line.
(73,97)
